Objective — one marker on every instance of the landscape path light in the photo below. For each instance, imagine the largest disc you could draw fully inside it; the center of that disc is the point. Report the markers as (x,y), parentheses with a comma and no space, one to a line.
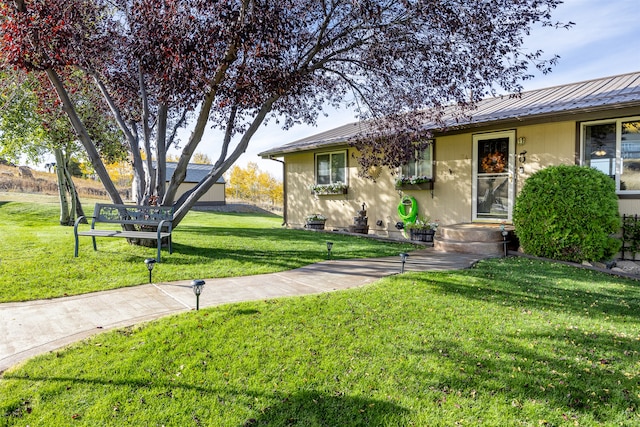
(329,247)
(197,285)
(505,233)
(150,262)
(403,259)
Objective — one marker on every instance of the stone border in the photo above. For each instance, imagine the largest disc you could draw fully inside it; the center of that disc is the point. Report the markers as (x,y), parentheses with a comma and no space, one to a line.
(627,272)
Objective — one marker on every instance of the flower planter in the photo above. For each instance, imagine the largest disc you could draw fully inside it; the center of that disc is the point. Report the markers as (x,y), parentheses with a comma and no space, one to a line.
(315,225)
(421,186)
(329,192)
(422,235)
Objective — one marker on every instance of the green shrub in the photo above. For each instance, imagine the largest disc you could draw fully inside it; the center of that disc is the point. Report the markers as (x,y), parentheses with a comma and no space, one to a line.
(568,213)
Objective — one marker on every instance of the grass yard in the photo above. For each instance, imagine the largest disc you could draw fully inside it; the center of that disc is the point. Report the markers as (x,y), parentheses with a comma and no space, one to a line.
(36,254)
(510,342)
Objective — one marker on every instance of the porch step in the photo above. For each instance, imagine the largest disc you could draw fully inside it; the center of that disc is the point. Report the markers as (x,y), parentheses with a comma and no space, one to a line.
(472,239)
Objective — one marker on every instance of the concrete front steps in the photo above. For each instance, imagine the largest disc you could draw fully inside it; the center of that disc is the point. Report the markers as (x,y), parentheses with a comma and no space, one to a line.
(477,238)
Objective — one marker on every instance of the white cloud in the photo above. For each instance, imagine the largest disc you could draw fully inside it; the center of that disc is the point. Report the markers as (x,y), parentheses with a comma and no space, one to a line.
(604,41)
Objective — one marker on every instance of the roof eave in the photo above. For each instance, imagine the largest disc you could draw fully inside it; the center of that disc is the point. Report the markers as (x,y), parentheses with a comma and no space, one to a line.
(310,147)
(530,118)
(557,116)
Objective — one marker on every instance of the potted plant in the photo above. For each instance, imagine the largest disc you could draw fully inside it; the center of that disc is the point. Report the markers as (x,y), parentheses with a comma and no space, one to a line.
(422,230)
(315,221)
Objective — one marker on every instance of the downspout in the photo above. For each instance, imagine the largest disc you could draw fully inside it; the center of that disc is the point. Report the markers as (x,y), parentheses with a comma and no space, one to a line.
(284,190)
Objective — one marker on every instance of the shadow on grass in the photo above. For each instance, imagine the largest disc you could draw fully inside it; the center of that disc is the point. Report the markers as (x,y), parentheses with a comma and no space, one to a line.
(245,312)
(314,408)
(238,245)
(576,354)
(261,246)
(278,408)
(240,215)
(556,288)
(521,370)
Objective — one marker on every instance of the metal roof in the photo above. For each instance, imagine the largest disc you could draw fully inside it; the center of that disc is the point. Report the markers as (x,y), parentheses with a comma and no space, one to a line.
(195,172)
(602,94)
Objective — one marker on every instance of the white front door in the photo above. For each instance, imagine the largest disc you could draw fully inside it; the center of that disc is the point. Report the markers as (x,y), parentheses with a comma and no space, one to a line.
(493,171)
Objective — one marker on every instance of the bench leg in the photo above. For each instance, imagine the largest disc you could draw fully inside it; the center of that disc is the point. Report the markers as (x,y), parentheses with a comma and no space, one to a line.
(95,248)
(159,245)
(75,249)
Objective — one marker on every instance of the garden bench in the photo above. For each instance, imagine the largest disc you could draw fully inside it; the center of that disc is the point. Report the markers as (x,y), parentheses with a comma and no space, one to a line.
(150,222)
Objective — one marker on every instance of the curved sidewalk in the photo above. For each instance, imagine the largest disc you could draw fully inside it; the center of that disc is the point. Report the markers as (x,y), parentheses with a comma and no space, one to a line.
(35,327)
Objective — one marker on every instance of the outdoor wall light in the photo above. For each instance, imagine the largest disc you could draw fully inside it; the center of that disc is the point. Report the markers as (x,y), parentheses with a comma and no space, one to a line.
(505,233)
(197,285)
(329,247)
(150,262)
(403,259)
(522,156)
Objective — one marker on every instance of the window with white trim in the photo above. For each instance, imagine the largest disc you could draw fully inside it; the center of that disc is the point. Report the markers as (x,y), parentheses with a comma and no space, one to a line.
(421,167)
(613,147)
(331,168)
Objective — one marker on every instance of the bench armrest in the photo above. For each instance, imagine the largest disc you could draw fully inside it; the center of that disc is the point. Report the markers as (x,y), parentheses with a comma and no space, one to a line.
(165,223)
(82,219)
(79,220)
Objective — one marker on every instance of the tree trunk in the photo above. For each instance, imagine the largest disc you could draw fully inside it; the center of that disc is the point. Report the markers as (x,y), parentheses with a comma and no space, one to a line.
(83,136)
(67,191)
(61,165)
(76,210)
(161,153)
(138,184)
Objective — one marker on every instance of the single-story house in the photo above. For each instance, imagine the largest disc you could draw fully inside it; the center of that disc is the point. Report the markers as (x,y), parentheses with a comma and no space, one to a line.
(196,173)
(472,172)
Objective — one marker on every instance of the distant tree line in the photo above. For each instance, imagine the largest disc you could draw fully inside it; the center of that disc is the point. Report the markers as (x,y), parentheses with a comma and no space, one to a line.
(252,184)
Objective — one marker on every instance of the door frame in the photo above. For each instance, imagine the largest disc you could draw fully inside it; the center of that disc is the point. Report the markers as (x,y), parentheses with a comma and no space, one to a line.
(511,164)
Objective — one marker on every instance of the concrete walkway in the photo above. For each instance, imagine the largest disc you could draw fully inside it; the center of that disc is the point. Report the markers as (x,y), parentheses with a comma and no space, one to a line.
(35,327)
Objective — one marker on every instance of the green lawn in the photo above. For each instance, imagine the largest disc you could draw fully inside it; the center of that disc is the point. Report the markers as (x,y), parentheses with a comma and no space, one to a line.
(36,254)
(509,343)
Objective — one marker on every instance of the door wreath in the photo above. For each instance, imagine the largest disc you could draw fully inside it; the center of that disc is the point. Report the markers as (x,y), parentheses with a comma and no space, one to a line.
(494,163)
(408,217)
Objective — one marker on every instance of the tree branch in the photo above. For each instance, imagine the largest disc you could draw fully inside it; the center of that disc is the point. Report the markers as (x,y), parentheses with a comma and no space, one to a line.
(187,200)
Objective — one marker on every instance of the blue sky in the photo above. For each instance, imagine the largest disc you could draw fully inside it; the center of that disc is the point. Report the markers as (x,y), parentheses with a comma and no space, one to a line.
(605,41)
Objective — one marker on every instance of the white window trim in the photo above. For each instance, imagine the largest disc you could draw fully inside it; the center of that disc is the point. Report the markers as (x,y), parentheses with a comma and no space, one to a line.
(416,160)
(618,163)
(330,153)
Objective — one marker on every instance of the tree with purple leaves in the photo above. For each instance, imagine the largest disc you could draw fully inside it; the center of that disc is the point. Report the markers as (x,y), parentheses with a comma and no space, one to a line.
(233,65)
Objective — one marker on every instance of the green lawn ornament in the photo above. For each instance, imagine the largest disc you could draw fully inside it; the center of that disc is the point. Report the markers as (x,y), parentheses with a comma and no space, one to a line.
(410,216)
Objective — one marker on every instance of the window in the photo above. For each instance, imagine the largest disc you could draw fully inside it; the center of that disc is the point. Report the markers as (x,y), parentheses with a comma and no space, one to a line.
(422,166)
(613,147)
(331,168)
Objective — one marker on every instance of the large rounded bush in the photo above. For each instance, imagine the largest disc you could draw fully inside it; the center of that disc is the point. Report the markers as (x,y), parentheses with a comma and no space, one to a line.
(568,213)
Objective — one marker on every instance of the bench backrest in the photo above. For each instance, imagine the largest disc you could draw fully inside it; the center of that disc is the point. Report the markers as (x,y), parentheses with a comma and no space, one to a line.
(132,214)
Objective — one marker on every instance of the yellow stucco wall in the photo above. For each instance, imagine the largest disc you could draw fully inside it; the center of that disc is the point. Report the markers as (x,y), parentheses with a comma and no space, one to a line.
(545,145)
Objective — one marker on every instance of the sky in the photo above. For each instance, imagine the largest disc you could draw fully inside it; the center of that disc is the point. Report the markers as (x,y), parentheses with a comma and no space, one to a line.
(604,41)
